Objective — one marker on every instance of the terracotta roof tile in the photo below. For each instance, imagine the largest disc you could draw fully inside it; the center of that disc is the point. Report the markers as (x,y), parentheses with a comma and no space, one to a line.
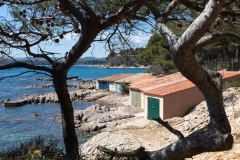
(133,78)
(227,74)
(161,91)
(145,79)
(115,77)
(168,89)
(158,82)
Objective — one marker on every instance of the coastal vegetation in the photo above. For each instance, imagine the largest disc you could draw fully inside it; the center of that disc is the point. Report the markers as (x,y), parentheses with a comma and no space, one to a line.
(36,23)
(157,56)
(124,88)
(125,58)
(38,148)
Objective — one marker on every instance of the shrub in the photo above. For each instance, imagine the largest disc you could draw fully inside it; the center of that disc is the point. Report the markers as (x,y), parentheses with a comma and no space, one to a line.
(38,148)
(124,88)
(234,84)
(230,84)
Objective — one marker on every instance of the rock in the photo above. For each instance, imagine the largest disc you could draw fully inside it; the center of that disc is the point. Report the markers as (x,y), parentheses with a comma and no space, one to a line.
(37,115)
(84,129)
(95,128)
(113,140)
(43,79)
(42,99)
(79,116)
(77,122)
(77,125)
(102,126)
(35,101)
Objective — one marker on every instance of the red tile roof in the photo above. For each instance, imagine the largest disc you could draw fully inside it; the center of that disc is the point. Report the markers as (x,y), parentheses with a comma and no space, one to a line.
(161,91)
(157,82)
(133,78)
(227,74)
(114,78)
(168,89)
(144,79)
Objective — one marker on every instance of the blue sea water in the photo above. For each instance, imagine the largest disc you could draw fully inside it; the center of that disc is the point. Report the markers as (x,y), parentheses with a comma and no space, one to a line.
(18,124)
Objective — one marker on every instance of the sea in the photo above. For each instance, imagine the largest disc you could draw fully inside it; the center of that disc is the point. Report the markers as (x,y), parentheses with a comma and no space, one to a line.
(18,124)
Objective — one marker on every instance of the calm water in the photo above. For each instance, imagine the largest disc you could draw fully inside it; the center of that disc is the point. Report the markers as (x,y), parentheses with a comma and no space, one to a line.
(18,124)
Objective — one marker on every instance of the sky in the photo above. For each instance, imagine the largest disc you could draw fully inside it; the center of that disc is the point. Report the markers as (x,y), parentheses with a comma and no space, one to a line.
(96,50)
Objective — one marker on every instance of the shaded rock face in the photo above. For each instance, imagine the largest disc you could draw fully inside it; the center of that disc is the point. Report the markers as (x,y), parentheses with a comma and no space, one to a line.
(1,102)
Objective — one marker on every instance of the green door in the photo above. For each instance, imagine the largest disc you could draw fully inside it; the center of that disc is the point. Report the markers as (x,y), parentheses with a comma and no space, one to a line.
(136,98)
(153,108)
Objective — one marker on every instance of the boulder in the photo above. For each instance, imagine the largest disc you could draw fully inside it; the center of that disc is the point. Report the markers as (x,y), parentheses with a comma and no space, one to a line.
(42,99)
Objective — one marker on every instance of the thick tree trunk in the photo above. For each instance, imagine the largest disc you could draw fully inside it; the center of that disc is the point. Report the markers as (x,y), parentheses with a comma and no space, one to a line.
(214,137)
(69,134)
(217,135)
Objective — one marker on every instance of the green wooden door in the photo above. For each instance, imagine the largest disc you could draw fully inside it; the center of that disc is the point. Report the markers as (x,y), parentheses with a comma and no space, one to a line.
(136,99)
(112,86)
(153,108)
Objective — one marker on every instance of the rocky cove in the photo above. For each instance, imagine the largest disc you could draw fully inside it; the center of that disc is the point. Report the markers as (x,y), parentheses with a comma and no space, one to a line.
(118,125)
(22,123)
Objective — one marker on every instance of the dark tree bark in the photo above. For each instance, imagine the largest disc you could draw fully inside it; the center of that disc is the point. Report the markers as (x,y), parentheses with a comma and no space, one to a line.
(217,135)
(68,126)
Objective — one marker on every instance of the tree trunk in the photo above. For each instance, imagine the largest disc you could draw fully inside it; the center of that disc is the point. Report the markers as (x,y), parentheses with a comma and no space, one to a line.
(69,134)
(216,136)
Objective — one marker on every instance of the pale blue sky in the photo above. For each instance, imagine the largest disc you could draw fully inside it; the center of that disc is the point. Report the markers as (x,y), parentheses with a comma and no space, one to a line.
(97,49)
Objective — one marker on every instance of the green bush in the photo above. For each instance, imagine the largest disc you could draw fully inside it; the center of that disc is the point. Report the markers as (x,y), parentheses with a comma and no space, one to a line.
(124,88)
(38,148)
(234,84)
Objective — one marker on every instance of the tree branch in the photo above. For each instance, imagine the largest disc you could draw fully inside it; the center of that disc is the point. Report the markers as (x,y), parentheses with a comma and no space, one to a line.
(167,33)
(22,2)
(127,11)
(216,38)
(111,35)
(16,75)
(25,65)
(140,153)
(167,125)
(200,8)
(150,5)
(169,9)
(88,9)
(201,24)
(73,10)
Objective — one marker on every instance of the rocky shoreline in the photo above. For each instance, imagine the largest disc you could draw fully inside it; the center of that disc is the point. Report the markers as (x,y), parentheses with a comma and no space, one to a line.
(107,113)
(120,66)
(118,125)
(85,90)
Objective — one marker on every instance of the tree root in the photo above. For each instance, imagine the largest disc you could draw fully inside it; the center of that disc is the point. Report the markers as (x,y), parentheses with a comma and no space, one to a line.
(207,139)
